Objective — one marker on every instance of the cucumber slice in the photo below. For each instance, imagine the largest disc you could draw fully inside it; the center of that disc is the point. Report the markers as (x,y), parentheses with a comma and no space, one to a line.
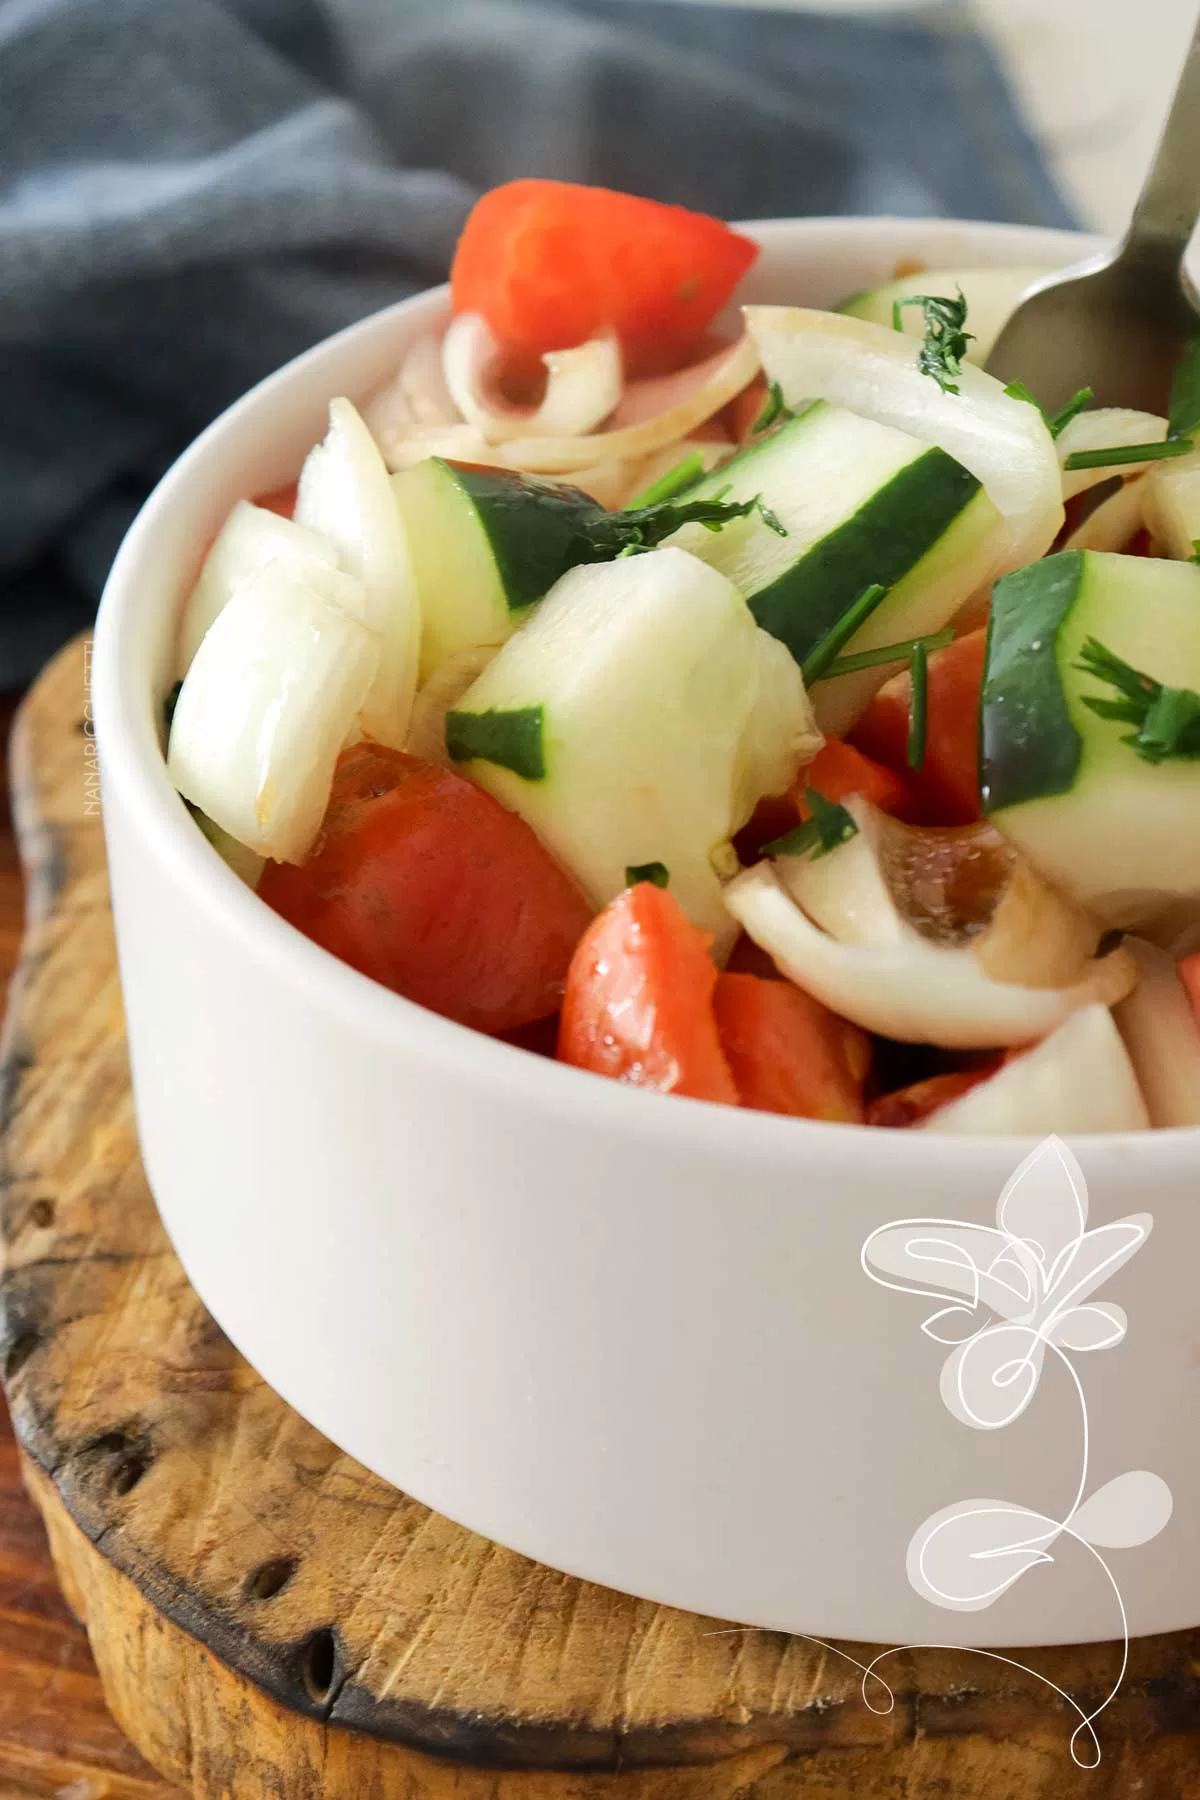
(638,717)
(485,544)
(991,296)
(1116,831)
(861,503)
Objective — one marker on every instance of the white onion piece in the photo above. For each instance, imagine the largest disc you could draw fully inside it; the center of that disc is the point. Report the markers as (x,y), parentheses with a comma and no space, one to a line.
(882,974)
(582,385)
(1115,522)
(444,689)
(1173,505)
(1080,1079)
(457,443)
(719,379)
(416,398)
(346,494)
(265,708)
(1108,428)
(1162,1037)
(251,537)
(873,371)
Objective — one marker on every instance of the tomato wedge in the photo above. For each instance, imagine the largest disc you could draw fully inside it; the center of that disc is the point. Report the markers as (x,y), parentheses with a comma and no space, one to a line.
(279,500)
(946,787)
(1189,974)
(639,1000)
(788,1053)
(837,770)
(550,263)
(425,883)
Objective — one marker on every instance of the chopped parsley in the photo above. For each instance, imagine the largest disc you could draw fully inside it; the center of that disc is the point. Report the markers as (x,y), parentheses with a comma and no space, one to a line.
(1056,423)
(683,475)
(829,826)
(1116,454)
(1167,719)
(946,341)
(774,411)
(1183,412)
(887,653)
(918,722)
(823,652)
(656,873)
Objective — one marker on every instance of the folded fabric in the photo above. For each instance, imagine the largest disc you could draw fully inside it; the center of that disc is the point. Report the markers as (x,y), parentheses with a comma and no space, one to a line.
(192,193)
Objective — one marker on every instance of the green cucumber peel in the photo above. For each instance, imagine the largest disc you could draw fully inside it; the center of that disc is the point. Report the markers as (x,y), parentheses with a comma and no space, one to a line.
(512,738)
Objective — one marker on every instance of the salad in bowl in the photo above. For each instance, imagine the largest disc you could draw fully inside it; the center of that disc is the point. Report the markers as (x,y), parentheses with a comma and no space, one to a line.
(760,705)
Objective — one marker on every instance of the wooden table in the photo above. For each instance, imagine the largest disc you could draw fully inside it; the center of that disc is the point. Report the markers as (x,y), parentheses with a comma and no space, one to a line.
(56,1735)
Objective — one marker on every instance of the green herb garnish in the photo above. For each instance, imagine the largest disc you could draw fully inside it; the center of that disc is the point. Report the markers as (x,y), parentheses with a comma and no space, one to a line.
(656,873)
(918,722)
(1116,454)
(775,410)
(683,475)
(1056,423)
(1074,406)
(1167,719)
(945,340)
(886,653)
(642,527)
(1183,411)
(1195,556)
(1016,390)
(839,634)
(170,703)
(829,826)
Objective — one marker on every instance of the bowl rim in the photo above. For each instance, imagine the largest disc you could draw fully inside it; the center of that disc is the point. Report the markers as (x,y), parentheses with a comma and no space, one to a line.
(133,766)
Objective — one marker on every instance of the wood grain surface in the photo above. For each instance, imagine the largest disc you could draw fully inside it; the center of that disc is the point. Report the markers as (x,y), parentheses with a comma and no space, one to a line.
(269,1618)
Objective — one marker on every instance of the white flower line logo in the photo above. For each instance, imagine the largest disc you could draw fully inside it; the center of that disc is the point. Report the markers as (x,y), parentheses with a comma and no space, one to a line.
(1023,1288)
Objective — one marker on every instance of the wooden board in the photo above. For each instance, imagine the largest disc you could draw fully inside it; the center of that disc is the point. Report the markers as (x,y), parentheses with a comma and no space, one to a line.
(269,1618)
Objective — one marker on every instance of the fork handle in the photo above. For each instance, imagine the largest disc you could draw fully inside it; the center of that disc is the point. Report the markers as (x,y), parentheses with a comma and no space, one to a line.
(1169,203)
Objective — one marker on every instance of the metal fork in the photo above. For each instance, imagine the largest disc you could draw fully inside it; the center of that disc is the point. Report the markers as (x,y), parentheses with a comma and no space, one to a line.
(1117,322)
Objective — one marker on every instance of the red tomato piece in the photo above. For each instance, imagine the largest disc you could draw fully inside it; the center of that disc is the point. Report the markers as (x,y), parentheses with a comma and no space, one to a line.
(1189,974)
(839,770)
(639,1000)
(908,1106)
(279,500)
(788,1053)
(746,409)
(946,788)
(425,883)
(551,263)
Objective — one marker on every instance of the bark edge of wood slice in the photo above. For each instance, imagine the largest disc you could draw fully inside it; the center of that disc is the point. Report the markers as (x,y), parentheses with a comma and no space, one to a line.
(269,1617)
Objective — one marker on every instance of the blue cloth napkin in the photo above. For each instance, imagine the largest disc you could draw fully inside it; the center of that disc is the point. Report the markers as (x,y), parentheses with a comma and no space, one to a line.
(192,191)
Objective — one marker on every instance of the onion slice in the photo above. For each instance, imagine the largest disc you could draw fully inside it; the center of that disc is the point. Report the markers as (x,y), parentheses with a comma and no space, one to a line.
(1080,1079)
(1173,506)
(583,385)
(910,991)
(1107,428)
(873,371)
(942,936)
(415,399)
(444,689)
(1115,522)
(250,538)
(346,494)
(1162,1037)
(716,381)
(270,698)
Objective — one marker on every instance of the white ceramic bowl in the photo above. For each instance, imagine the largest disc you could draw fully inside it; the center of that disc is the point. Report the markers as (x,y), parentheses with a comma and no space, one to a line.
(630,1336)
